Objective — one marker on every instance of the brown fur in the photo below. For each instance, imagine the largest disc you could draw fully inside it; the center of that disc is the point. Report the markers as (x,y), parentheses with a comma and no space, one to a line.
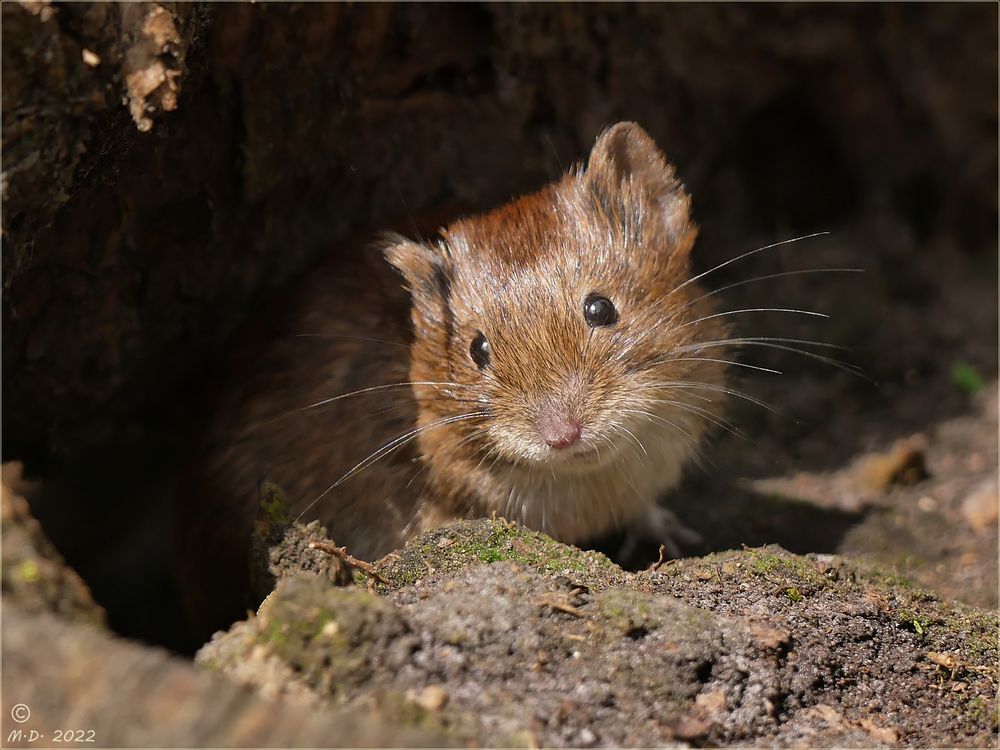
(519,274)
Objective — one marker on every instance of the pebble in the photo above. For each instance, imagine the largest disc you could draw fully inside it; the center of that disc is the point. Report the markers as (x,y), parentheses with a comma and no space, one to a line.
(979,508)
(431,698)
(927,503)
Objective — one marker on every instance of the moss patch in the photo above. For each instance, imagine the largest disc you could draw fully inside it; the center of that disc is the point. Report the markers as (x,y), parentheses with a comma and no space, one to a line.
(332,636)
(489,541)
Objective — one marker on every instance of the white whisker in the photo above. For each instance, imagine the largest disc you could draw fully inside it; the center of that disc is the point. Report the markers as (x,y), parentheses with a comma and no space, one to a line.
(741,257)
(664,420)
(770,276)
(745,339)
(725,362)
(772,343)
(705,414)
(388,448)
(754,310)
(692,385)
(350,338)
(637,441)
(381,388)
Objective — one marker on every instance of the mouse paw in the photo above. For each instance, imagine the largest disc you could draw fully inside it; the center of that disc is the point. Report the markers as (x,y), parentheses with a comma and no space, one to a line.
(659,526)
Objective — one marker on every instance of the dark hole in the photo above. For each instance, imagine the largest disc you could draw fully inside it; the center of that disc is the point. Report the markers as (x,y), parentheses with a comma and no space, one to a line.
(703,672)
(637,633)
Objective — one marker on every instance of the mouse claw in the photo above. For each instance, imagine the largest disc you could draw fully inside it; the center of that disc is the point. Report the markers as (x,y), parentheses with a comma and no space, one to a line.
(660,526)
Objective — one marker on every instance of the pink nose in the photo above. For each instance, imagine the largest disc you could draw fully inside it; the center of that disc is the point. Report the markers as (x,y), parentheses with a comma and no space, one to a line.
(559,430)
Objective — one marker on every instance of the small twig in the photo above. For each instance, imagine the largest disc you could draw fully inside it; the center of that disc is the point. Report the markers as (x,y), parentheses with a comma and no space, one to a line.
(341,553)
(559,603)
(659,563)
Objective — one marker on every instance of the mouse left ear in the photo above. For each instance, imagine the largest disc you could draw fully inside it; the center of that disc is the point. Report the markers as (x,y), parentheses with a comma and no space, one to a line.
(626,168)
(424,267)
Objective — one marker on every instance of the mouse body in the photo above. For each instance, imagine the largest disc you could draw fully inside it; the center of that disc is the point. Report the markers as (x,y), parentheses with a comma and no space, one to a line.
(542,365)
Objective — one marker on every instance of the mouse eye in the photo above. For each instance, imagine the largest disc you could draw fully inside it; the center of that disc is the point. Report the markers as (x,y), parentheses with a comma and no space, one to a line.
(480,350)
(599,311)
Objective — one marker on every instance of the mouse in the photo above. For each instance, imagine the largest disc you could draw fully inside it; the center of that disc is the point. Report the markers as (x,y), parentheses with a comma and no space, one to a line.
(540,361)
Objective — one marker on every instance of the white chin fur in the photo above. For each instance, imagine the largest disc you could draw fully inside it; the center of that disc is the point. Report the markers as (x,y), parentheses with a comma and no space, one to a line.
(580,500)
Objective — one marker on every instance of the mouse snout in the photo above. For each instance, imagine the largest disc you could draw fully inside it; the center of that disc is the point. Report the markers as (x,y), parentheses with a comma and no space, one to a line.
(558,427)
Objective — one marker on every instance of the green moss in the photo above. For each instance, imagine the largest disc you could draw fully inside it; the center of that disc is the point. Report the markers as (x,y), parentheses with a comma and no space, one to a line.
(628,611)
(490,554)
(296,632)
(210,665)
(984,712)
(523,738)
(273,505)
(886,576)
(331,636)
(794,594)
(913,620)
(276,634)
(490,541)
(965,377)
(396,708)
(774,562)
(637,614)
(27,572)
(976,630)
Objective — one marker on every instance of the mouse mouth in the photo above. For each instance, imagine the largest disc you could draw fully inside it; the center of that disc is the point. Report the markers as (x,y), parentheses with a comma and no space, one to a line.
(585,453)
(580,457)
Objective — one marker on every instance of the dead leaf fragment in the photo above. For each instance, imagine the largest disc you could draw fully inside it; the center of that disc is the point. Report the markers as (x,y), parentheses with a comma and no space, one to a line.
(768,637)
(431,698)
(152,62)
(886,735)
(712,702)
(948,661)
(41,8)
(829,714)
(904,463)
(691,728)
(559,602)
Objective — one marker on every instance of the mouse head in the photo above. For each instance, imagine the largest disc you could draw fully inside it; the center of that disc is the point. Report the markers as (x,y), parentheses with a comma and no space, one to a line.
(555,320)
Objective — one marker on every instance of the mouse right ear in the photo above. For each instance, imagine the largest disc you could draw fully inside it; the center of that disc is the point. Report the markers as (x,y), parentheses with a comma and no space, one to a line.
(424,267)
(627,168)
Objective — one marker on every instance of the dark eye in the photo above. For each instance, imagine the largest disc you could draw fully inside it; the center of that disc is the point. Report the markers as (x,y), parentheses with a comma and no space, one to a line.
(599,311)
(480,350)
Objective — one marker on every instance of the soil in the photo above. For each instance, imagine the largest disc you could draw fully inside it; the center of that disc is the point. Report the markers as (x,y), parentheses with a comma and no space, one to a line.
(501,637)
